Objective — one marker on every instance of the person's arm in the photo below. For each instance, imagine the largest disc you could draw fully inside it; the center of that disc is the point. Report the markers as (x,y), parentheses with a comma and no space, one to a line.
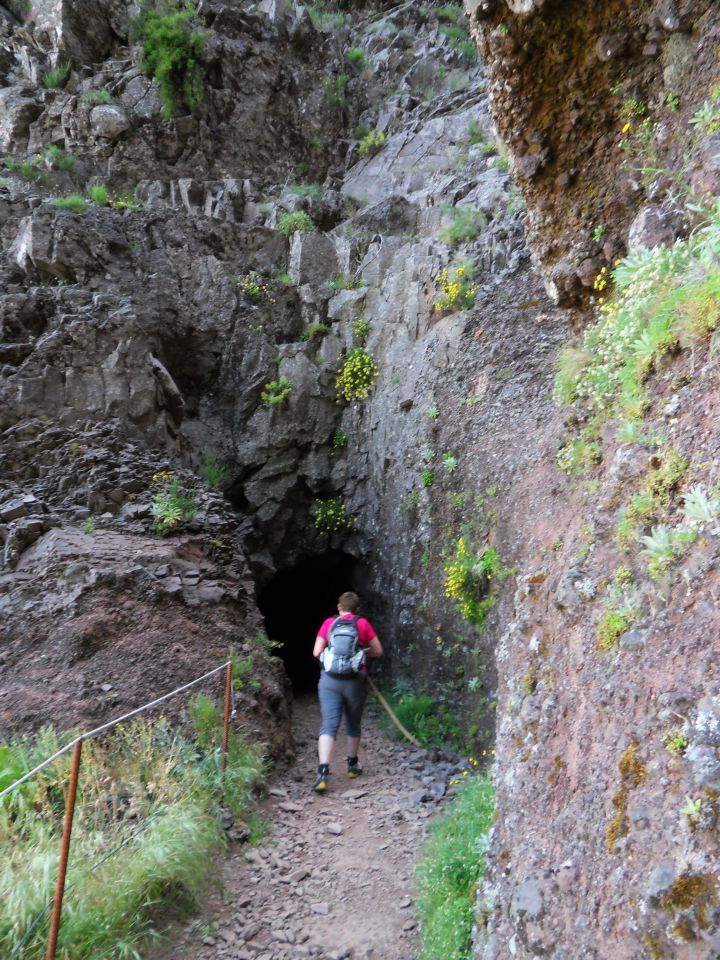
(320,644)
(374,648)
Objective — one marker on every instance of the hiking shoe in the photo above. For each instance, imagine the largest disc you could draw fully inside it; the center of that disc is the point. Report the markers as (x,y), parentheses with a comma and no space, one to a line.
(354,768)
(321,784)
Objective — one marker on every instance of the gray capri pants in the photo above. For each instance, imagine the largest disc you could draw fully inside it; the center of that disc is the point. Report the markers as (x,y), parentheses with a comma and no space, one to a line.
(336,693)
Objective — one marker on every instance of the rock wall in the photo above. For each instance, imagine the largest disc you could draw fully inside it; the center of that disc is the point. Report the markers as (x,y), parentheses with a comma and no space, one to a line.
(571,88)
(606,842)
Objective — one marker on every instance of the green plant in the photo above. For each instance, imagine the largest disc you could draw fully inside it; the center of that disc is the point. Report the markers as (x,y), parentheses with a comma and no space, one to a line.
(672,101)
(276,391)
(323,18)
(27,169)
(692,809)
(255,288)
(75,203)
(355,56)
(343,283)
(172,503)
(433,413)
(288,223)
(98,194)
(466,224)
(429,721)
(56,158)
(663,297)
(331,515)
(449,461)
(58,76)
(362,329)
(599,233)
(706,120)
(468,581)
(124,201)
(427,477)
(580,453)
(675,741)
(475,133)
(315,332)
(664,546)
(451,865)
(372,142)
(699,507)
(145,837)
(214,473)
(170,52)
(312,190)
(334,91)
(95,97)
(410,502)
(340,439)
(610,626)
(357,375)
(88,526)
(456,290)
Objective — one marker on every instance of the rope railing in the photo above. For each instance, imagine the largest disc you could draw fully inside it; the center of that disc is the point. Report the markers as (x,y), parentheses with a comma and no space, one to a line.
(76,746)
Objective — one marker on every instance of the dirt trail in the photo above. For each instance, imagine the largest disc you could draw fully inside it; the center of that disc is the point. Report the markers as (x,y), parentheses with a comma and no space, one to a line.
(335,876)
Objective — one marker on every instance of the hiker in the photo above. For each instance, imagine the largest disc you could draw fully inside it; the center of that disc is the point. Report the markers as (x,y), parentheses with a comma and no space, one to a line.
(342,644)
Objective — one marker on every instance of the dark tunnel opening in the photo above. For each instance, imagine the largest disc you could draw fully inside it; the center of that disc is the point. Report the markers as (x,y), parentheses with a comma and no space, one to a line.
(297,600)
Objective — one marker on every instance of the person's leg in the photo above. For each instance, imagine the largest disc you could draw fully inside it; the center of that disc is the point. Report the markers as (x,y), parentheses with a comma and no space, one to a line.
(325,748)
(331,701)
(354,701)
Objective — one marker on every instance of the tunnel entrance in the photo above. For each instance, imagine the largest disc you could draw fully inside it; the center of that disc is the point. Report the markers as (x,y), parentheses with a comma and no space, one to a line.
(297,600)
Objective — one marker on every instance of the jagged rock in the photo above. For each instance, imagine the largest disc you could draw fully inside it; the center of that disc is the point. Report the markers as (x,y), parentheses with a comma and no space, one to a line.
(17,112)
(109,121)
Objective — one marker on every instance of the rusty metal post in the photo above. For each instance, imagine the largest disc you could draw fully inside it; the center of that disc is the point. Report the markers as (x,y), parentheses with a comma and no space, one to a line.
(64,853)
(226,721)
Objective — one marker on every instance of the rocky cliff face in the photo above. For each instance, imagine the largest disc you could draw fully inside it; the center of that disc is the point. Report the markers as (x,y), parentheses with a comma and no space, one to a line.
(176,325)
(141,334)
(607,838)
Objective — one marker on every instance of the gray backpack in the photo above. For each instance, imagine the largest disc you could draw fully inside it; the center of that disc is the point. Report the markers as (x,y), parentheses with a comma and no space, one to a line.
(343,655)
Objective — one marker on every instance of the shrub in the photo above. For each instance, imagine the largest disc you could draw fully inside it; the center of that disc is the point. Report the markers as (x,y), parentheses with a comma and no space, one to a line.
(662,297)
(357,375)
(362,329)
(372,142)
(331,515)
(214,473)
(315,332)
(468,581)
(451,865)
(466,225)
(170,52)
(276,391)
(172,504)
(94,97)
(429,721)
(98,193)
(75,203)
(137,848)
(355,56)
(456,290)
(57,159)
(58,76)
(288,223)
(335,91)
(312,190)
(610,626)
(255,288)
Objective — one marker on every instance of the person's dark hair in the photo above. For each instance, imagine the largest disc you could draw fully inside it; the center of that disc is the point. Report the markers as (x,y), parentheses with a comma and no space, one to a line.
(349,602)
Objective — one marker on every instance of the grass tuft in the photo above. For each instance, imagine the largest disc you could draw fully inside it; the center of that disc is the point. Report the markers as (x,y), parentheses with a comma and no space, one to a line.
(453,861)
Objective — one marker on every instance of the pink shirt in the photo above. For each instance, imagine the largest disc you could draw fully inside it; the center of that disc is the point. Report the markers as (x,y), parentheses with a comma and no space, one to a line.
(365,631)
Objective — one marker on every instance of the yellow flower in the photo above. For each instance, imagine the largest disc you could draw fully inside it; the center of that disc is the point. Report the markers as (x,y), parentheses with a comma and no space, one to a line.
(460,272)
(626,128)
